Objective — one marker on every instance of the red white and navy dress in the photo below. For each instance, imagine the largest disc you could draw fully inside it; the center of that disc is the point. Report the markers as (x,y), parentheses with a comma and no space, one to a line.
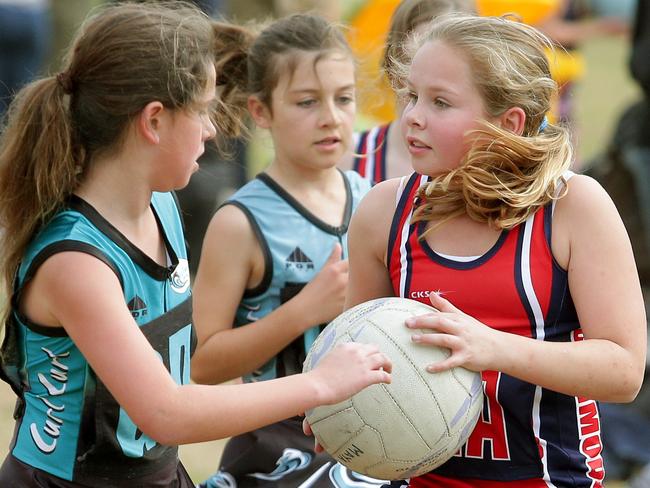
(370,153)
(527,435)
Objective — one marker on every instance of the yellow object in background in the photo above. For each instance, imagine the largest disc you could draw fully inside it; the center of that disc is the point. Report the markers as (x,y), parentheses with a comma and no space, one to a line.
(367,37)
(531,11)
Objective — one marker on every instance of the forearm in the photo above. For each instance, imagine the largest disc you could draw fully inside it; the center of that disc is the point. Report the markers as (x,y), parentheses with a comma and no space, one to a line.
(198,413)
(234,352)
(594,368)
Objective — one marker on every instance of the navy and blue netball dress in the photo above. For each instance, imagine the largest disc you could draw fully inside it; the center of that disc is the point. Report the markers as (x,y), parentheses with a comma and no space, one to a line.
(70,431)
(296,245)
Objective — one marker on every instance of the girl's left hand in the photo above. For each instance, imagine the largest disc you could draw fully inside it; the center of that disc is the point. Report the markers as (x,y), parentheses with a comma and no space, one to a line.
(473,345)
(306,428)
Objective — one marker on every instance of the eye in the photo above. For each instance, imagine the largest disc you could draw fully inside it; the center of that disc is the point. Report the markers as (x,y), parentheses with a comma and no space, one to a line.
(440,103)
(306,103)
(412,97)
(345,99)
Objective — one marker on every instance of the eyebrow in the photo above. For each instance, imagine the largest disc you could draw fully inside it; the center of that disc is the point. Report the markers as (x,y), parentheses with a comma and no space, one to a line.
(316,90)
(433,88)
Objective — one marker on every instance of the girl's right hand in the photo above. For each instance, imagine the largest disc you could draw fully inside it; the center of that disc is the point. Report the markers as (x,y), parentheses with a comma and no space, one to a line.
(348,369)
(324,296)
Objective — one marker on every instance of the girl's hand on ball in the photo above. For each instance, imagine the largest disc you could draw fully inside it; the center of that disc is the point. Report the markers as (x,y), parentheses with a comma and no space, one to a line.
(348,369)
(472,344)
(306,428)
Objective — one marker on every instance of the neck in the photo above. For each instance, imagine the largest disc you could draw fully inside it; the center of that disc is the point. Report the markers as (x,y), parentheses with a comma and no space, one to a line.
(292,176)
(114,188)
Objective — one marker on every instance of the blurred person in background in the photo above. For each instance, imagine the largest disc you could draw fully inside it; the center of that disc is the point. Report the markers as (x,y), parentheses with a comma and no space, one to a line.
(25,29)
(380,153)
(569,23)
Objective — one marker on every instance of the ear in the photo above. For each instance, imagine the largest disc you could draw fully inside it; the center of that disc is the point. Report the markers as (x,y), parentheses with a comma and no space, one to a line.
(513,119)
(259,112)
(150,120)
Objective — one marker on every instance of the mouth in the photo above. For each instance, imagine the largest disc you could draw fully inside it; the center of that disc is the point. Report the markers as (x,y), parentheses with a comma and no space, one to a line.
(416,144)
(328,141)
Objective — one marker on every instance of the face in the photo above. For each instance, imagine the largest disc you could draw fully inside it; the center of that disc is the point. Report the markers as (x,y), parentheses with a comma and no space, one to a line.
(443,105)
(184,141)
(312,112)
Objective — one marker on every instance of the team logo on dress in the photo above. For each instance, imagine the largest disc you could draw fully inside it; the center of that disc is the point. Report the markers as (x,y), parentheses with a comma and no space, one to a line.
(220,479)
(181,276)
(251,309)
(137,307)
(290,461)
(299,260)
(343,477)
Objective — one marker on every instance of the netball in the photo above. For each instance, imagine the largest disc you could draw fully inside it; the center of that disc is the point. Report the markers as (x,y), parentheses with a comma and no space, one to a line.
(406,428)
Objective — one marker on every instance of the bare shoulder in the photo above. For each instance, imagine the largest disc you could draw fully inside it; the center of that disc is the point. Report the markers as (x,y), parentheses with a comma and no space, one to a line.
(380,201)
(230,251)
(584,194)
(584,213)
(66,279)
(229,232)
(585,204)
(372,220)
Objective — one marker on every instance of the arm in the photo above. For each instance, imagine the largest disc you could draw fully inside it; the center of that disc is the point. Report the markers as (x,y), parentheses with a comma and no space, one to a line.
(113,345)
(574,32)
(367,244)
(231,262)
(608,365)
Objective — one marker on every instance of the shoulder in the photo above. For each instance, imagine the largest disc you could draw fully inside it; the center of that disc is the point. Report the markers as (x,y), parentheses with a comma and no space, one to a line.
(585,218)
(67,229)
(231,222)
(378,206)
(583,197)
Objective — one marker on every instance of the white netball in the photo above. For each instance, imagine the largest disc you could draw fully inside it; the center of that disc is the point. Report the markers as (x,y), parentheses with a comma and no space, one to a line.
(405,428)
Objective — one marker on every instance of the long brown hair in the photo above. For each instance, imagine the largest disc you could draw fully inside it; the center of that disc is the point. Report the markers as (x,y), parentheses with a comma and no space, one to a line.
(123,57)
(504,177)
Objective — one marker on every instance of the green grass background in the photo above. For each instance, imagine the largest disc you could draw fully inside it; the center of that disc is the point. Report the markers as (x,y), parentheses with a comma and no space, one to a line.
(600,97)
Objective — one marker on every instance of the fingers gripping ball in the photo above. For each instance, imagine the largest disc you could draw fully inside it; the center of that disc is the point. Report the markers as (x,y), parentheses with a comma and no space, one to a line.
(405,428)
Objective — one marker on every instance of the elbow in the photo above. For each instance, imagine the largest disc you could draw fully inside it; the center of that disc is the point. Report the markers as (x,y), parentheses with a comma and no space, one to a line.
(627,387)
(202,377)
(205,372)
(159,426)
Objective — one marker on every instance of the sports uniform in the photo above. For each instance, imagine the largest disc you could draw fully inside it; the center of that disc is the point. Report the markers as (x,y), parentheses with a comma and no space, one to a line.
(370,153)
(70,430)
(527,435)
(296,245)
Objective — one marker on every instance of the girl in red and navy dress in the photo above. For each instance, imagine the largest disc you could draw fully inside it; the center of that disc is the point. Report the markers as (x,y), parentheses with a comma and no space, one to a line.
(528,266)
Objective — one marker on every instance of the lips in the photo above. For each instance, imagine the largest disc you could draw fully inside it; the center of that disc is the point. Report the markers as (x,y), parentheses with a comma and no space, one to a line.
(416,143)
(329,140)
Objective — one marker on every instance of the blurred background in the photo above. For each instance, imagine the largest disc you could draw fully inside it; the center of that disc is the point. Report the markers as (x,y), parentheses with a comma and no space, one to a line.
(606,107)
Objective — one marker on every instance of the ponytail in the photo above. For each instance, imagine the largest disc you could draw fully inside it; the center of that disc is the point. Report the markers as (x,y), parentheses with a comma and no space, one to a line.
(231,46)
(39,167)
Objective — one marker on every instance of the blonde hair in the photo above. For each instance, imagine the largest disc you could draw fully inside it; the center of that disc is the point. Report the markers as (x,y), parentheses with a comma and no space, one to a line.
(124,57)
(409,15)
(504,177)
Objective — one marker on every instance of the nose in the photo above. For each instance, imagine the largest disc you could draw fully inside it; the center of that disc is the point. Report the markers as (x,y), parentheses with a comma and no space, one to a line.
(329,116)
(209,130)
(412,115)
